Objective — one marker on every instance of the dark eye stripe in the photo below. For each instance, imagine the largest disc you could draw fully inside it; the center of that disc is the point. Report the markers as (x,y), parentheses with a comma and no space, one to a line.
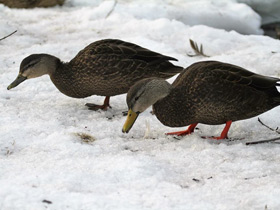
(137,97)
(28,66)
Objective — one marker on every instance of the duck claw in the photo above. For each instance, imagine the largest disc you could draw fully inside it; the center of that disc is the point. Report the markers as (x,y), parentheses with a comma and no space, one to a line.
(96,107)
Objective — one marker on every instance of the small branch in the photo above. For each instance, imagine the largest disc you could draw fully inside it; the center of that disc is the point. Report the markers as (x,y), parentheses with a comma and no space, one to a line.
(112,9)
(8,35)
(275,130)
(198,50)
(258,177)
(262,141)
(267,140)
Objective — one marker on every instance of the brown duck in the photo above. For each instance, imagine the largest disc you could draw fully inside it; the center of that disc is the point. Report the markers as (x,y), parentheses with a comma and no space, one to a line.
(208,92)
(107,67)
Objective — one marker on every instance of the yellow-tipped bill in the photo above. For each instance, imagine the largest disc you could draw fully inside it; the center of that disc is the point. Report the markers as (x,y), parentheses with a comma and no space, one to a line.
(131,118)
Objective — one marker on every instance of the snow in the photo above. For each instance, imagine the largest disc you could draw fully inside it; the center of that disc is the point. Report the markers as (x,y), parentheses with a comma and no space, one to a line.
(219,14)
(43,156)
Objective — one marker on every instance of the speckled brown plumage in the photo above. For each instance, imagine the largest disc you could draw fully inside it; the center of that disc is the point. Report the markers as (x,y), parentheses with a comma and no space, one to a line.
(208,92)
(213,92)
(110,67)
(107,67)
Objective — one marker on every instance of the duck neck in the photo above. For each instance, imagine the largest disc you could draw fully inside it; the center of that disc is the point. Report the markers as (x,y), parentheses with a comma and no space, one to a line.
(156,90)
(164,90)
(50,64)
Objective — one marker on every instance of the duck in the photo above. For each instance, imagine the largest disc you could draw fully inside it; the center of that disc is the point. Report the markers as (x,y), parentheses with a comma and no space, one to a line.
(31,3)
(207,92)
(106,67)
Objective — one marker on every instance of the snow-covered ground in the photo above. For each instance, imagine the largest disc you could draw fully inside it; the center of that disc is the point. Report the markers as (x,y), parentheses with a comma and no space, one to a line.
(45,160)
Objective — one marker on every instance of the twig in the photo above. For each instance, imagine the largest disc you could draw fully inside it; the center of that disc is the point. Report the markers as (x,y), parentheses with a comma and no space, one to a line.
(198,50)
(47,201)
(112,9)
(268,126)
(258,177)
(267,140)
(262,141)
(8,35)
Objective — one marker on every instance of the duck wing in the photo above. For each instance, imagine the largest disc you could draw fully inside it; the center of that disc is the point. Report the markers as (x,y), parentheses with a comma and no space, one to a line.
(110,67)
(113,51)
(201,72)
(127,49)
(242,76)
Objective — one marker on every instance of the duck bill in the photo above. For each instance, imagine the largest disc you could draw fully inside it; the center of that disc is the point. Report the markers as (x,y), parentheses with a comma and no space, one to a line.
(17,81)
(131,118)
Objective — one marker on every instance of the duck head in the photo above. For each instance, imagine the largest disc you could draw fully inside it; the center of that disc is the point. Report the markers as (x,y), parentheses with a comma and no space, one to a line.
(34,66)
(141,96)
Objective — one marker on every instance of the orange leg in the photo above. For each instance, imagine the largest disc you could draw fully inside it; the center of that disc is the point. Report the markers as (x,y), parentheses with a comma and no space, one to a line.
(224,132)
(185,132)
(103,107)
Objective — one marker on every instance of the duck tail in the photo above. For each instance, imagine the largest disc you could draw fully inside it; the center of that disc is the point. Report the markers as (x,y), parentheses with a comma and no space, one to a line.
(277,100)
(172,70)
